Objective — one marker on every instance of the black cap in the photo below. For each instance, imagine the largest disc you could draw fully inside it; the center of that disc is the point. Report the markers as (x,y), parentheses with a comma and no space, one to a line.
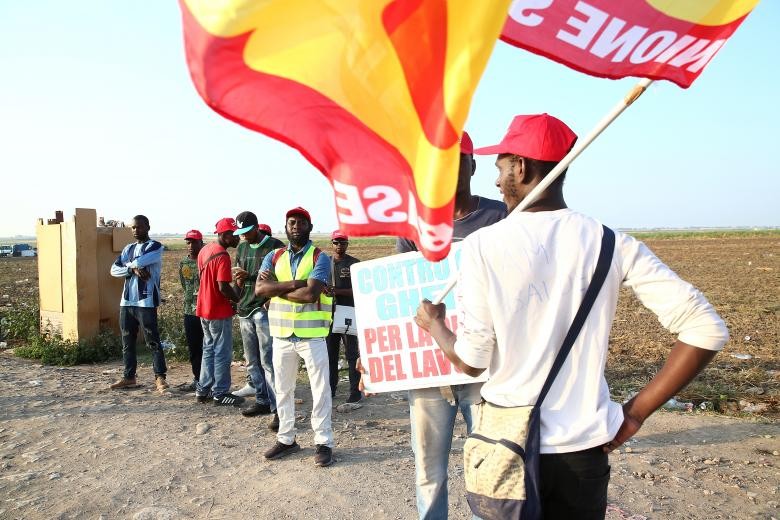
(246,221)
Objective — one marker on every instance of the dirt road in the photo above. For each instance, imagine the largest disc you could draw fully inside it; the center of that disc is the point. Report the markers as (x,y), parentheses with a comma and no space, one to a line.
(69,448)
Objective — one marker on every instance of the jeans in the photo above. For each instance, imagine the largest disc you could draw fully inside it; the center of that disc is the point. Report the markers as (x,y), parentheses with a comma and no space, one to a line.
(574,485)
(193,332)
(433,419)
(130,320)
(217,355)
(351,352)
(258,353)
(314,352)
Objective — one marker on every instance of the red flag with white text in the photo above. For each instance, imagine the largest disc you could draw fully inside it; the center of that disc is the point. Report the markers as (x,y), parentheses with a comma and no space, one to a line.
(656,39)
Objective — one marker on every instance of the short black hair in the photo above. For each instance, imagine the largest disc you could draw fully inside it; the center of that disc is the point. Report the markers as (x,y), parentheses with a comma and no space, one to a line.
(541,169)
(142,218)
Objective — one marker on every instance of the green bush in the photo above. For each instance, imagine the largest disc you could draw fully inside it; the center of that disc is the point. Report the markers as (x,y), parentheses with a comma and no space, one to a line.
(171,327)
(52,350)
(21,326)
(103,347)
(20,323)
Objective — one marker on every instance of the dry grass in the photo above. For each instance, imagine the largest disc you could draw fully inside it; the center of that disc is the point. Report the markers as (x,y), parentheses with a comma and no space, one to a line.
(740,276)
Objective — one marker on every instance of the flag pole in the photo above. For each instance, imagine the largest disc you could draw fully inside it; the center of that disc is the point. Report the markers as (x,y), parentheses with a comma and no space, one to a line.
(618,109)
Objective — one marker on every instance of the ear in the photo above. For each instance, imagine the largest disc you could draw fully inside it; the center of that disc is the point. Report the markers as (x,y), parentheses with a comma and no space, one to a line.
(473,166)
(521,171)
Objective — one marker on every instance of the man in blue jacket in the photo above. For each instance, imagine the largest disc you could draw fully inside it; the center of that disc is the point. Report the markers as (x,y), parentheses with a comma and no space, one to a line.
(140,264)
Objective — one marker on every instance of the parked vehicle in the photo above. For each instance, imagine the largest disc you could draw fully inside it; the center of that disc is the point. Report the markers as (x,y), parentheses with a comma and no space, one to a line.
(23,250)
(6,250)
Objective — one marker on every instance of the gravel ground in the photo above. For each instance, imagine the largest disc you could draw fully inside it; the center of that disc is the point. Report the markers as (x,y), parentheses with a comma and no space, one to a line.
(70,448)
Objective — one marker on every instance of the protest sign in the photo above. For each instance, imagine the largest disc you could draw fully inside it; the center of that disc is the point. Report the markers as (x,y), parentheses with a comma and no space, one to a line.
(396,353)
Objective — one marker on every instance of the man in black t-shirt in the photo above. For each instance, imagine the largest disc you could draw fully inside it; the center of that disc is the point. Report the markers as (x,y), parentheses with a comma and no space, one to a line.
(432,411)
(341,289)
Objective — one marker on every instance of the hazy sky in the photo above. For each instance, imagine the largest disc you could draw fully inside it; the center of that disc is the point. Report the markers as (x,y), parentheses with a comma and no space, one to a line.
(97,110)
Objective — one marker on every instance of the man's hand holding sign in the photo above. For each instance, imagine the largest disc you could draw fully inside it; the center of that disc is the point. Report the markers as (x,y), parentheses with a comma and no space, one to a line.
(396,351)
(431,318)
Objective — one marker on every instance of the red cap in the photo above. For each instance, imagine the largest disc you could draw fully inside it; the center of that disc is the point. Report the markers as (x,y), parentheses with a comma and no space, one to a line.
(299,211)
(466,144)
(193,234)
(265,227)
(539,136)
(338,235)
(226,224)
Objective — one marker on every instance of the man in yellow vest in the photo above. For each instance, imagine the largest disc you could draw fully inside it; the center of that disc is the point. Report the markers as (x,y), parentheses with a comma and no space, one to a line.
(295,278)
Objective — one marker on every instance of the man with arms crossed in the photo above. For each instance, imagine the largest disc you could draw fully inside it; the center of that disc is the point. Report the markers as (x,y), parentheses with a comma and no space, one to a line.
(521,282)
(294,278)
(140,264)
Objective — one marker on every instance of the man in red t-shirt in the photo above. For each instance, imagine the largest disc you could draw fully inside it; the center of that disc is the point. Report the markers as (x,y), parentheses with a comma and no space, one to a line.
(216,316)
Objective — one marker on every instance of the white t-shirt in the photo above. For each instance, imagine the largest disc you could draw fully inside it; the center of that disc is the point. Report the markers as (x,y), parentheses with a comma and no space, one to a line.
(520,284)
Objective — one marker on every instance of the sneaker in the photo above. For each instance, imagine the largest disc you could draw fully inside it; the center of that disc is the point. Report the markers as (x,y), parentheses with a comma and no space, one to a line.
(348,407)
(202,399)
(274,424)
(228,400)
(187,387)
(246,391)
(159,382)
(280,450)
(355,397)
(124,383)
(256,409)
(323,456)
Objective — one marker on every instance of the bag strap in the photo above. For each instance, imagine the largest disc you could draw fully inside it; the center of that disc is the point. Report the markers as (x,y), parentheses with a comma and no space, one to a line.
(212,257)
(277,255)
(279,252)
(599,275)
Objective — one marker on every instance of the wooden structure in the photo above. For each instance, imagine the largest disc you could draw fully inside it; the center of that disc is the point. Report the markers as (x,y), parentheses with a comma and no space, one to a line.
(78,295)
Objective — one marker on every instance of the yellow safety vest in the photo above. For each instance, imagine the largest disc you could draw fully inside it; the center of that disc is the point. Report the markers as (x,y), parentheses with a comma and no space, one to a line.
(305,320)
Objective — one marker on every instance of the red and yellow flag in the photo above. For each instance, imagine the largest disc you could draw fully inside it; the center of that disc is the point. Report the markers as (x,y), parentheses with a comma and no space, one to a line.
(656,39)
(374,93)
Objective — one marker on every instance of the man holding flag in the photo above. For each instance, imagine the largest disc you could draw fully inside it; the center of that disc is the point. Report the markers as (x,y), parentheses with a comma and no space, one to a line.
(521,282)
(384,129)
